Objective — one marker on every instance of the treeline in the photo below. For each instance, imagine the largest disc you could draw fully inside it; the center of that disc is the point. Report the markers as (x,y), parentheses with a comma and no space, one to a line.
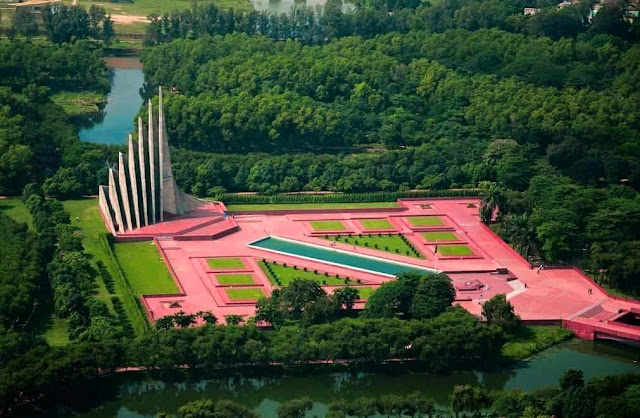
(72,278)
(64,24)
(36,137)
(452,340)
(21,273)
(565,222)
(304,24)
(252,93)
(596,62)
(66,67)
(370,18)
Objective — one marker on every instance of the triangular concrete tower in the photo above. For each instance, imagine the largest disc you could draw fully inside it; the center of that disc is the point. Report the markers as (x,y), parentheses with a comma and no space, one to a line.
(143,195)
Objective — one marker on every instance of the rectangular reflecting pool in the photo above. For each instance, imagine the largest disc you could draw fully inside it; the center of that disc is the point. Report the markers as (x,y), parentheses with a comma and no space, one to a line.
(335,256)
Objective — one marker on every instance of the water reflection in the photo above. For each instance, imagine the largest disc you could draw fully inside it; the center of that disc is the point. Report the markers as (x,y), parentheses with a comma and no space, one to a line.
(139,396)
(113,123)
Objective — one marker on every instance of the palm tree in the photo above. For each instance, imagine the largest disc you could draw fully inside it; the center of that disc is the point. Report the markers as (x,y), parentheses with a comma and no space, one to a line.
(522,234)
(492,199)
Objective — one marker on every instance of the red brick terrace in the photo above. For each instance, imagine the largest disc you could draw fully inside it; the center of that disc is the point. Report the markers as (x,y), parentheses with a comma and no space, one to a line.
(548,295)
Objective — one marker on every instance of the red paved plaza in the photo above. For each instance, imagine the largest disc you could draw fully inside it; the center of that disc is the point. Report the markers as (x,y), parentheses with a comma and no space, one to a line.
(547,295)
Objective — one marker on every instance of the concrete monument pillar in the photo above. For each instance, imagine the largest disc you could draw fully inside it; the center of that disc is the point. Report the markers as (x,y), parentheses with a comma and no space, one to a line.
(152,165)
(142,165)
(124,191)
(115,202)
(133,181)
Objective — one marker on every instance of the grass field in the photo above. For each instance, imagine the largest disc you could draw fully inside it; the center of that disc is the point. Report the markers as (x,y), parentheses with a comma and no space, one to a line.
(527,341)
(426,221)
(91,225)
(16,210)
(235,279)
(327,225)
(365,292)
(375,223)
(233,207)
(390,243)
(440,236)
(447,250)
(245,294)
(77,104)
(146,7)
(144,268)
(226,263)
(287,274)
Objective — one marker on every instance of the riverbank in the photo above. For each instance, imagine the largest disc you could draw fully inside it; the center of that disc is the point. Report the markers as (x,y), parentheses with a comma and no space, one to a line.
(145,394)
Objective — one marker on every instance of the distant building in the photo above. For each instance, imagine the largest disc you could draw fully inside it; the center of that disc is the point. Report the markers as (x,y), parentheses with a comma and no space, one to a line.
(530,11)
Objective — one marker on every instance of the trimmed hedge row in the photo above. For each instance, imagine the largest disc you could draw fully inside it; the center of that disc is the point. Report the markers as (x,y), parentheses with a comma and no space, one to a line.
(342,197)
(131,304)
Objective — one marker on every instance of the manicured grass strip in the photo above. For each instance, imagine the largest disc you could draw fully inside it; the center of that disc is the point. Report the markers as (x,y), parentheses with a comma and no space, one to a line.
(234,278)
(375,223)
(245,294)
(365,292)
(327,225)
(144,268)
(454,250)
(527,341)
(226,263)
(393,244)
(440,236)
(426,221)
(16,210)
(90,223)
(233,207)
(283,276)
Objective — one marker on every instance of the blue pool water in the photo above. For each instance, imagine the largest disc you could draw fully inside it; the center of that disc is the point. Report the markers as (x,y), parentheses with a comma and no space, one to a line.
(331,256)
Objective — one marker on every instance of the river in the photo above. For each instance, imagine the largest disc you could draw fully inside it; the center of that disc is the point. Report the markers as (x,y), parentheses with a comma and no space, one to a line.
(113,125)
(136,395)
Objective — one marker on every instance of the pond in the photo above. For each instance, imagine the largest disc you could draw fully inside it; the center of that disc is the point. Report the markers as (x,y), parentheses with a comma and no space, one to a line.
(136,395)
(335,257)
(114,123)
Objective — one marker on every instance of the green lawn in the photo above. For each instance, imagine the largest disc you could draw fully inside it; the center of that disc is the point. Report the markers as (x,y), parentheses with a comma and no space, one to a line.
(527,341)
(327,225)
(226,263)
(426,221)
(447,250)
(91,225)
(16,210)
(144,268)
(245,294)
(233,207)
(46,324)
(393,244)
(82,103)
(287,274)
(146,7)
(440,236)
(234,278)
(56,333)
(375,223)
(365,292)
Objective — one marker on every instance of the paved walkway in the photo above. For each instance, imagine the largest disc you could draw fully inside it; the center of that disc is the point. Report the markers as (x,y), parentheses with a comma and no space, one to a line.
(546,295)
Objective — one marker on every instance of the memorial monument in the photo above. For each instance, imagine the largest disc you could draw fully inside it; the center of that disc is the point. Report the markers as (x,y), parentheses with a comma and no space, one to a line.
(142,190)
